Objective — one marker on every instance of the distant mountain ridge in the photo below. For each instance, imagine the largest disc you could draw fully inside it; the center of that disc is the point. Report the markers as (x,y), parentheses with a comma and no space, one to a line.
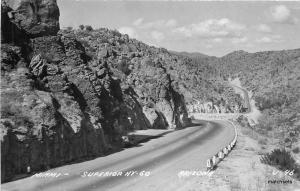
(190,54)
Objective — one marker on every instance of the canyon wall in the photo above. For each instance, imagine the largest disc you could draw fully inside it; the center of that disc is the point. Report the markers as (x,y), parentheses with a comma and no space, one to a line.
(60,104)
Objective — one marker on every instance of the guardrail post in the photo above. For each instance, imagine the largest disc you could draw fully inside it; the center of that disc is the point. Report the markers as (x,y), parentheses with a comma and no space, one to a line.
(229,147)
(234,142)
(211,163)
(220,155)
(225,151)
(214,161)
(208,164)
(28,169)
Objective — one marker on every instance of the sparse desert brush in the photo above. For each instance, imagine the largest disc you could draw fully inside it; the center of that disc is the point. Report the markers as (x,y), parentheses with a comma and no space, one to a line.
(281,159)
(81,27)
(89,28)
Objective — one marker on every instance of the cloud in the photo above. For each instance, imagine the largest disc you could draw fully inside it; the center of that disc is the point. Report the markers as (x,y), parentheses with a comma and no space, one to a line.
(208,46)
(128,30)
(217,40)
(157,36)
(239,40)
(155,24)
(264,28)
(282,14)
(138,21)
(212,28)
(264,39)
(270,39)
(171,23)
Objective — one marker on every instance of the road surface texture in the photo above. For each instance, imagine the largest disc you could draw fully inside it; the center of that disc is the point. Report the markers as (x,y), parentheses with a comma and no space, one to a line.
(163,158)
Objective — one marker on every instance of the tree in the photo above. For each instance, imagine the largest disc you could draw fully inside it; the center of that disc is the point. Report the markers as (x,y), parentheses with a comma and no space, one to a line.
(81,27)
(88,28)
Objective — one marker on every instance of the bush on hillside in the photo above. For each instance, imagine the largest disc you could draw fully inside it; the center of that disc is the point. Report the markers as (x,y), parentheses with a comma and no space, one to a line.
(81,27)
(88,28)
(281,159)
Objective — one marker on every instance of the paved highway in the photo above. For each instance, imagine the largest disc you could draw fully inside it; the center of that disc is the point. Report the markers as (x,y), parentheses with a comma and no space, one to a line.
(153,166)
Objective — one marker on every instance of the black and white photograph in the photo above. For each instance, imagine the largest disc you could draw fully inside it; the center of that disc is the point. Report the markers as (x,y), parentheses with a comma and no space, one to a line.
(150,95)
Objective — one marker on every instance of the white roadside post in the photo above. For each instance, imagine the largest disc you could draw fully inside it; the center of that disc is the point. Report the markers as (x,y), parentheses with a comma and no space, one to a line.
(234,141)
(214,161)
(229,148)
(225,151)
(221,155)
(130,120)
(28,169)
(208,164)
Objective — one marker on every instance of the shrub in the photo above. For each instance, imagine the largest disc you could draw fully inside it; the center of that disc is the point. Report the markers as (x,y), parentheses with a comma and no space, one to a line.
(81,27)
(281,159)
(116,33)
(88,28)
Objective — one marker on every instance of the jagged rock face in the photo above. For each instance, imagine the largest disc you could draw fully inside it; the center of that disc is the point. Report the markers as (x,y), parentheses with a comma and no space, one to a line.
(42,131)
(60,103)
(59,107)
(33,17)
(143,69)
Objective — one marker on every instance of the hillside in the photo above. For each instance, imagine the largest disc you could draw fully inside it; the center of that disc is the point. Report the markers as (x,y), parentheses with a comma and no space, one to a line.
(193,55)
(273,77)
(193,80)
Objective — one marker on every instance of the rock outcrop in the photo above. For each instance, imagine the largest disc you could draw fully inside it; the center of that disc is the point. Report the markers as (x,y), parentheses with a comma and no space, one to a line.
(70,96)
(142,68)
(58,108)
(28,18)
(61,104)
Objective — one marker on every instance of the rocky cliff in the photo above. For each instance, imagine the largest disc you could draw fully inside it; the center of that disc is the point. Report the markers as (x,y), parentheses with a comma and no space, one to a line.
(28,18)
(67,97)
(142,68)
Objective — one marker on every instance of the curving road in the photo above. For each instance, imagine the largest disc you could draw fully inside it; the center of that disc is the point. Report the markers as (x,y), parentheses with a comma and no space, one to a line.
(164,158)
(245,97)
(154,165)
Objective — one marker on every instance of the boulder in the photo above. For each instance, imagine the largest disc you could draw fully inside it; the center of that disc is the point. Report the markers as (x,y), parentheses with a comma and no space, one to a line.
(38,65)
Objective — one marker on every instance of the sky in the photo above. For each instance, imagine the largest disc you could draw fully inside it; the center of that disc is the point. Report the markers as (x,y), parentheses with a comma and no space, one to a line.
(213,28)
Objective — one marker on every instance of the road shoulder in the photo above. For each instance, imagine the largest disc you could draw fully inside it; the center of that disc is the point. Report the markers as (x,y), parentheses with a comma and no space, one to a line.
(242,170)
